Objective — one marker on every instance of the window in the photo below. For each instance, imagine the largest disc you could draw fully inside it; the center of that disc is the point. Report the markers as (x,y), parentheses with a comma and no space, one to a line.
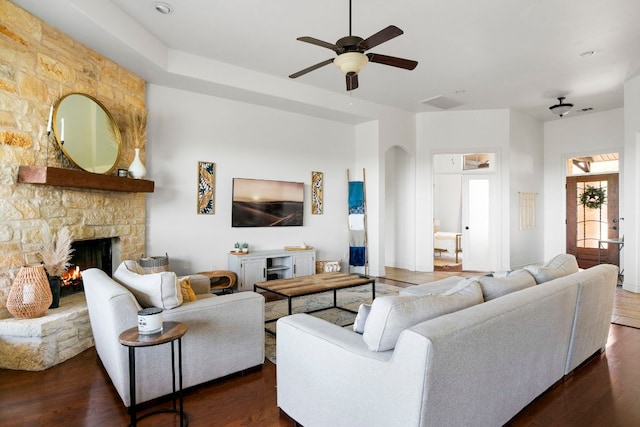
(598,163)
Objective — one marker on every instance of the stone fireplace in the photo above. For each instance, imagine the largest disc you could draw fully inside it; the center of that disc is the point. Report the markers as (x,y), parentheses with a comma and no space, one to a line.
(38,65)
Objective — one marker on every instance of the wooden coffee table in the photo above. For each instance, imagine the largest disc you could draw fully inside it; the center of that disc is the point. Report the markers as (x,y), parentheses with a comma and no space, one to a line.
(315,284)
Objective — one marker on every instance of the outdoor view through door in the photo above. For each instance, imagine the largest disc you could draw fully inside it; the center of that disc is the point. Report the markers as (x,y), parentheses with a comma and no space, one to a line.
(593,222)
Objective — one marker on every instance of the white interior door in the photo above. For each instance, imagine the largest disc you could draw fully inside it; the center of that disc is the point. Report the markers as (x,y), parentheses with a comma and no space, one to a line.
(478,246)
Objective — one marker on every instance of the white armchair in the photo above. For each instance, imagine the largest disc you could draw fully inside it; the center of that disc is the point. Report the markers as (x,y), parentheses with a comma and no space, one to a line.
(225,335)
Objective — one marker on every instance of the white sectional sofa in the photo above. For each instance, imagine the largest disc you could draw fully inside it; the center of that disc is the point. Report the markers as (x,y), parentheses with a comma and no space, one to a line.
(225,334)
(478,365)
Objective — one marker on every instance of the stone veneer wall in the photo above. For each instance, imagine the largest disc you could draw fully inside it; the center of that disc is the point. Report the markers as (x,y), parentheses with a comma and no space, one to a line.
(37,344)
(39,64)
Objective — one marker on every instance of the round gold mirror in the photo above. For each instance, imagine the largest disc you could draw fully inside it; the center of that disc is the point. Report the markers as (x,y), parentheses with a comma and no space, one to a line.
(86,133)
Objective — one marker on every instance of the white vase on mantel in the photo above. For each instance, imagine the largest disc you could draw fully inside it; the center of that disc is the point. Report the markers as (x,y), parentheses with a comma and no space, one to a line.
(136,168)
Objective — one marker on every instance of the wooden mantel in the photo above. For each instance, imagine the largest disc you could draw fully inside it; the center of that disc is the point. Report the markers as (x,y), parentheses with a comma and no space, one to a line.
(80,179)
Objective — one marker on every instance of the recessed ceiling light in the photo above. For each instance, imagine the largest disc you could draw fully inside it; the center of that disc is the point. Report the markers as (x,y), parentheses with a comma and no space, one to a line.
(588,53)
(162,7)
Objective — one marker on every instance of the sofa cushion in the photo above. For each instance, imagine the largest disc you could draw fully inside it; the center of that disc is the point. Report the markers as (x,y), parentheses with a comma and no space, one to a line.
(151,290)
(134,266)
(432,288)
(390,315)
(200,284)
(361,318)
(494,287)
(559,266)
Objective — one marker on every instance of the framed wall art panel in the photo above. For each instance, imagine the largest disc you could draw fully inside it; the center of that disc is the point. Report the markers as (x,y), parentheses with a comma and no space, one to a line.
(317,193)
(206,188)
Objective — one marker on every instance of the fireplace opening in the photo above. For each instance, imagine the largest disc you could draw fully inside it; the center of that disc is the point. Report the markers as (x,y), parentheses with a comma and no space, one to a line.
(95,253)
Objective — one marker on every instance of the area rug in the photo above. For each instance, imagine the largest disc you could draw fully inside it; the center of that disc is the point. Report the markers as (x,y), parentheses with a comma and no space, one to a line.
(349,298)
(626,309)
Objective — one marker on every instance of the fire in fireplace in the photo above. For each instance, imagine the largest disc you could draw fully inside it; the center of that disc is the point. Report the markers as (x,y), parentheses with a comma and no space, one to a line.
(95,253)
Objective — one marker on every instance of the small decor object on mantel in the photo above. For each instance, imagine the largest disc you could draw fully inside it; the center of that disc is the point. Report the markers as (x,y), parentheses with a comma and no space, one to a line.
(593,197)
(137,138)
(136,168)
(29,295)
(55,253)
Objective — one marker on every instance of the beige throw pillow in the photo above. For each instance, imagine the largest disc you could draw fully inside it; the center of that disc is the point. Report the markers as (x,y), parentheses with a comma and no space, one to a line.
(361,318)
(494,287)
(134,266)
(559,266)
(160,290)
(390,315)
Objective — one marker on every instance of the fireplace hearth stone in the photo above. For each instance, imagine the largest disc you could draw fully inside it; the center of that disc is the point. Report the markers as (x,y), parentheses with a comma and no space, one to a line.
(40,343)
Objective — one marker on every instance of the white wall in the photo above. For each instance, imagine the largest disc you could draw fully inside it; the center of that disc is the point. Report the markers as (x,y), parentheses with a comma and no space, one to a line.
(631,251)
(400,238)
(457,132)
(391,165)
(566,138)
(393,128)
(245,141)
(526,170)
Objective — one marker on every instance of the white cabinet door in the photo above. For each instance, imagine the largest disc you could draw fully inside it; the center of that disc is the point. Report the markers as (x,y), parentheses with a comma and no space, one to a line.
(252,270)
(304,264)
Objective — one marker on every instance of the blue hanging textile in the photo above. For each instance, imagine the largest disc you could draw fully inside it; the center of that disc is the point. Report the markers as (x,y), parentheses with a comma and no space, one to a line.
(357,256)
(356,195)
(357,210)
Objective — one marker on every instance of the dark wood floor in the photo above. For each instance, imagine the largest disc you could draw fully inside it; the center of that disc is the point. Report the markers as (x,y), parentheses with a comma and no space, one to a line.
(604,392)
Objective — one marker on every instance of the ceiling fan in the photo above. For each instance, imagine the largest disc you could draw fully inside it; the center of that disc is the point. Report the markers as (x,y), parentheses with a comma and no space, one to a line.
(351,57)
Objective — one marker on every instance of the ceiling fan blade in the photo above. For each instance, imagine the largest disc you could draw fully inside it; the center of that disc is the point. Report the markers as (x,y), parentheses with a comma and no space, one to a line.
(320,43)
(380,37)
(352,81)
(393,61)
(311,68)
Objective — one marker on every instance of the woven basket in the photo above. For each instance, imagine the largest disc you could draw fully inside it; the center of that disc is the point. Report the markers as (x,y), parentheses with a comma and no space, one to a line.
(155,264)
(30,295)
(328,266)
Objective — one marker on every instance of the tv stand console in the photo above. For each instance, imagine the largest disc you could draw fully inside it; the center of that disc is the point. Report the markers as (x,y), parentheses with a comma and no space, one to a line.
(260,266)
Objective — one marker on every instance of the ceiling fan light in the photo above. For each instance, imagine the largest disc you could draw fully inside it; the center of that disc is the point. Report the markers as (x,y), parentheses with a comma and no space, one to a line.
(351,62)
(561,108)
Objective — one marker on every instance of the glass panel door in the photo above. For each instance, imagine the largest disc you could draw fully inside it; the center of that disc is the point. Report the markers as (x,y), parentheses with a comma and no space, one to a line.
(592,218)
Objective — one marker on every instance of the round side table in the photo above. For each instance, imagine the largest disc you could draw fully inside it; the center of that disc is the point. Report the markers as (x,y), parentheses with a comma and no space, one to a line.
(132,338)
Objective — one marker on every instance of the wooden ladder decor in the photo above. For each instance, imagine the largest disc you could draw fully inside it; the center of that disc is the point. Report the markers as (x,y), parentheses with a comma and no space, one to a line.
(357,211)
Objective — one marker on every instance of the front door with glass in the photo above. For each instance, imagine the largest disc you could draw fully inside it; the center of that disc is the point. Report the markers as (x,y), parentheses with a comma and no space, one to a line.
(592,219)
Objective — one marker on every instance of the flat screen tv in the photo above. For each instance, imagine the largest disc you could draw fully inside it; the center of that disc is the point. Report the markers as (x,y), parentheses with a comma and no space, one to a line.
(264,203)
